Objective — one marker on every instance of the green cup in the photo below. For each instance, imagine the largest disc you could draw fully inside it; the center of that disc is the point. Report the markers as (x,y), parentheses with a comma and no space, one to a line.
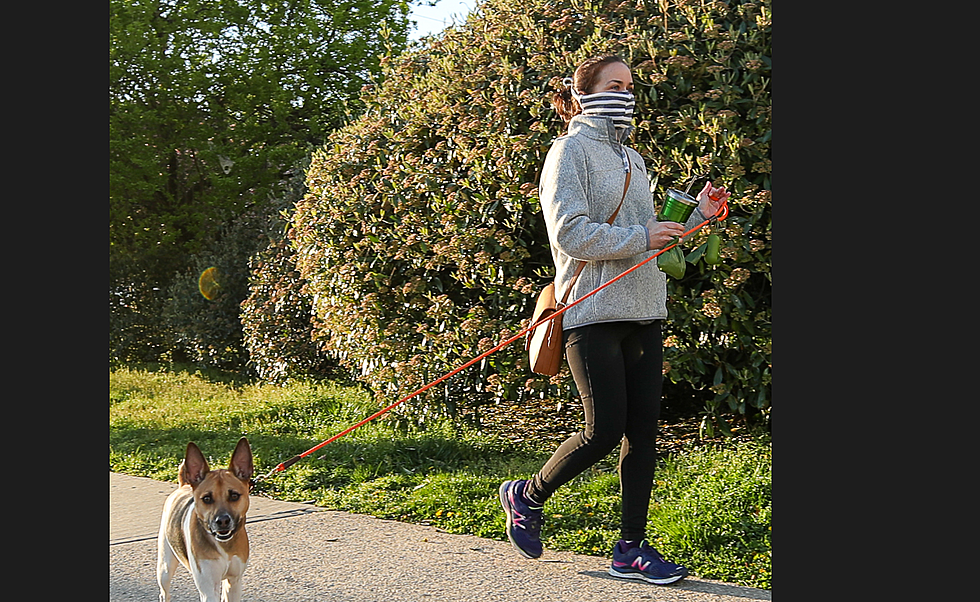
(678,207)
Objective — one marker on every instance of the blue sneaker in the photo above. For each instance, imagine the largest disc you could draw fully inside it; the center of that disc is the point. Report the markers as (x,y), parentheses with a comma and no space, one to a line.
(646,564)
(523,521)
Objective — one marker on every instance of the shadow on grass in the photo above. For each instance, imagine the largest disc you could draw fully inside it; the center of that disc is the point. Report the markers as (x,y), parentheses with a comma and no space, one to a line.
(408,454)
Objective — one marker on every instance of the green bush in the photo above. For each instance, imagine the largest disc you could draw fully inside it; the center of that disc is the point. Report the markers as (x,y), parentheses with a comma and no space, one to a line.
(210,103)
(137,332)
(203,306)
(234,325)
(421,238)
(276,315)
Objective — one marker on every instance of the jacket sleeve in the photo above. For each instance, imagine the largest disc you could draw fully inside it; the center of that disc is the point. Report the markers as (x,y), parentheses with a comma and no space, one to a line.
(694,219)
(565,203)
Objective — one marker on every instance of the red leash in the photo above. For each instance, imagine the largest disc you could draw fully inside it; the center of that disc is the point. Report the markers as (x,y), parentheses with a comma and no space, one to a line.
(722,214)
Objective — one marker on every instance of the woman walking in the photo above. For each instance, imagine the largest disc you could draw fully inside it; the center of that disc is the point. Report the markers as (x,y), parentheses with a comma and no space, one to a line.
(613,341)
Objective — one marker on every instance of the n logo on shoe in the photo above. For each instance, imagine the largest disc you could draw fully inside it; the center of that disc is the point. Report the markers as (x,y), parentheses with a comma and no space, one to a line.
(639,564)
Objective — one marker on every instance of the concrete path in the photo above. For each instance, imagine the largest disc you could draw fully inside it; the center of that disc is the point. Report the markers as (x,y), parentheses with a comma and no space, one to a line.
(301,553)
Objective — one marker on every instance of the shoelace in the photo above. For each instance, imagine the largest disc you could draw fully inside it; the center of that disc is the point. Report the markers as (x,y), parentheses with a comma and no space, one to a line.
(528,523)
(647,550)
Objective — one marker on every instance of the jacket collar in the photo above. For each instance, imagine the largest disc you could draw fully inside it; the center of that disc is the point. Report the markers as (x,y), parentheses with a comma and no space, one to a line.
(598,128)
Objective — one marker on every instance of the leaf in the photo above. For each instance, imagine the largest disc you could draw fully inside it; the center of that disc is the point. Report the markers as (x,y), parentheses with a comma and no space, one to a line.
(723,426)
(695,255)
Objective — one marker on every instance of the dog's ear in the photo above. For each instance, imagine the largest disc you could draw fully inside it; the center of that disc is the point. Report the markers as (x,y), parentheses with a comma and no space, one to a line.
(194,467)
(241,461)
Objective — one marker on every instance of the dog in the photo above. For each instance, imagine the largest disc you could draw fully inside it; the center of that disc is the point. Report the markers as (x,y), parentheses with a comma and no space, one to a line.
(203,525)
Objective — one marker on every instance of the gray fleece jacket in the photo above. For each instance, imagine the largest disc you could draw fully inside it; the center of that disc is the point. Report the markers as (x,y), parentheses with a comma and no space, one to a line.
(581,184)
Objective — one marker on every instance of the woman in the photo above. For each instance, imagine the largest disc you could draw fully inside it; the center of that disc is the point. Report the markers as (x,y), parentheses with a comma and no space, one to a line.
(613,341)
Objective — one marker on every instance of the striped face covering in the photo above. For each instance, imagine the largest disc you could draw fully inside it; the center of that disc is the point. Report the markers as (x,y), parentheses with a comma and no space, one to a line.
(617,106)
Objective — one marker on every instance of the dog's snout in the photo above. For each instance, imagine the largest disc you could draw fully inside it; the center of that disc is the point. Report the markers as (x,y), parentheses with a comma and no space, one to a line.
(222,522)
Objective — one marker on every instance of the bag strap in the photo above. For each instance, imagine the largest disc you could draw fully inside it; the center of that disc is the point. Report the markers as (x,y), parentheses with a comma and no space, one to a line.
(581,264)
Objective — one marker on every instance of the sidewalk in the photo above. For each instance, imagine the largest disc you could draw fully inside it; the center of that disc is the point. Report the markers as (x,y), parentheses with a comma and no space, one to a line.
(301,553)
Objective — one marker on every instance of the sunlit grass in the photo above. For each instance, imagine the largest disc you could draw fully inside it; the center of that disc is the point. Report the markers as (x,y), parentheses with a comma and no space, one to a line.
(711,510)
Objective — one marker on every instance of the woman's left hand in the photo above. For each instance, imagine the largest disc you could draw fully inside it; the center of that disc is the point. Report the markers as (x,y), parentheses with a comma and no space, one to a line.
(710,199)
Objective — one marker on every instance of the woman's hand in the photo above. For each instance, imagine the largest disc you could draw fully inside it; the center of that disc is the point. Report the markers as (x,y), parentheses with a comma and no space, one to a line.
(710,199)
(661,234)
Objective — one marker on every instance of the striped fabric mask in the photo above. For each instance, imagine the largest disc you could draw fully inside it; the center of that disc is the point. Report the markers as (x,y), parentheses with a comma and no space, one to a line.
(617,106)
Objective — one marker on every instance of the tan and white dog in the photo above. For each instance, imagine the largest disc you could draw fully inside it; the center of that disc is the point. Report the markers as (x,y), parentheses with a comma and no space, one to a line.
(203,526)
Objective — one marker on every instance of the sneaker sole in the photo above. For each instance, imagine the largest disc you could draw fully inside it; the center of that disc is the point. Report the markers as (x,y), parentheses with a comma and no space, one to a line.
(642,577)
(502,492)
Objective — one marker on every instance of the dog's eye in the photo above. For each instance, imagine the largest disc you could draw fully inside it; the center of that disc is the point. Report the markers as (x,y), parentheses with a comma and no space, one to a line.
(207,499)
(234,495)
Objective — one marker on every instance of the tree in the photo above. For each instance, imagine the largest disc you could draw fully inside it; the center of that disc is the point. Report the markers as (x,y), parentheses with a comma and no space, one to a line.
(210,103)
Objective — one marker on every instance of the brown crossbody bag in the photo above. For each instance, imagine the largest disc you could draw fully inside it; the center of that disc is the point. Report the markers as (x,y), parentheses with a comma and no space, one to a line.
(544,343)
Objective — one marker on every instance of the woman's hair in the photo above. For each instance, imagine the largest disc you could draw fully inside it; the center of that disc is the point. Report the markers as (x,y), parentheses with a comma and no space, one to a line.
(585,79)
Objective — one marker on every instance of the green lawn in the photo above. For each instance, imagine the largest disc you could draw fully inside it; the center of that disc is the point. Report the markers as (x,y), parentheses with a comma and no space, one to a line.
(712,502)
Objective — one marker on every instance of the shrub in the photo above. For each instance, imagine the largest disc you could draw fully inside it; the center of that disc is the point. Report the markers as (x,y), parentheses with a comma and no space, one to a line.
(202,311)
(217,310)
(137,332)
(241,305)
(276,315)
(421,238)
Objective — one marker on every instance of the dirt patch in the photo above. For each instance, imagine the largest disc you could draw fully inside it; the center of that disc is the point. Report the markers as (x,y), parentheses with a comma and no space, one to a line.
(545,424)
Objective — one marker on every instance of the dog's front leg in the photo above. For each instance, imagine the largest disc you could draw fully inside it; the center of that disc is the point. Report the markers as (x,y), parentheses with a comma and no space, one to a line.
(208,579)
(233,589)
(166,565)
(233,579)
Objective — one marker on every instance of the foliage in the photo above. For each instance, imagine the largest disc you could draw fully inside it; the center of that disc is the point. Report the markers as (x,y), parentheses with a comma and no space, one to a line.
(136,306)
(712,505)
(276,315)
(204,302)
(241,306)
(210,104)
(421,239)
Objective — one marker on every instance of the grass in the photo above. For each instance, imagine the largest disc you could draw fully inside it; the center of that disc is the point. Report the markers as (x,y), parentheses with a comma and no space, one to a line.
(711,508)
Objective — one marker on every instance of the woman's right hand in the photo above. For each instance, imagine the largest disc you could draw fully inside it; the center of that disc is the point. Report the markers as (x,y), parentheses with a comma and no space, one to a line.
(661,234)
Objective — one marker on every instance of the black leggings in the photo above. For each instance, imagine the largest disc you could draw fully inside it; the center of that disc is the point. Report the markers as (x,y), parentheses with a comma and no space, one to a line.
(618,369)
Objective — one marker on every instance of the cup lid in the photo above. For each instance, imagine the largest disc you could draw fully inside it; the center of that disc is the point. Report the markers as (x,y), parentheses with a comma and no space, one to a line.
(681,196)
